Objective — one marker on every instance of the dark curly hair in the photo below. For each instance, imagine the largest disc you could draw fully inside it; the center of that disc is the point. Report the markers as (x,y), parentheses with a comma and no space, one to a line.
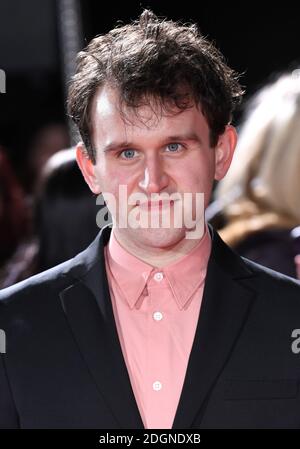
(154,60)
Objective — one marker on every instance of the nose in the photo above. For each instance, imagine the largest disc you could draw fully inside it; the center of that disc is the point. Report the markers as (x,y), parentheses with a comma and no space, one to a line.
(154,179)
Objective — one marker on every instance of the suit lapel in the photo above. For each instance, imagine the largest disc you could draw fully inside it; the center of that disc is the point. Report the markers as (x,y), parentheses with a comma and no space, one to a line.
(89,313)
(225,306)
(227,299)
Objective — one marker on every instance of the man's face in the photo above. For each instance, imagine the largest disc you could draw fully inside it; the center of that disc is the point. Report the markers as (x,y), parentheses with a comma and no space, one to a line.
(154,154)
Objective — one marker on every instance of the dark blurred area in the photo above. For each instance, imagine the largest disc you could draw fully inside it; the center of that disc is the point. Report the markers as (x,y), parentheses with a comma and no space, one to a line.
(38,44)
(254,42)
(62,217)
(29,55)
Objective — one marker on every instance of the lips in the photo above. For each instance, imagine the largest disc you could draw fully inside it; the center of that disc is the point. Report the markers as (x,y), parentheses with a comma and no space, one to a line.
(151,205)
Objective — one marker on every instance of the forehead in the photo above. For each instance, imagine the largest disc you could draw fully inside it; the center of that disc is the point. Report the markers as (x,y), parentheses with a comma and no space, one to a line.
(110,123)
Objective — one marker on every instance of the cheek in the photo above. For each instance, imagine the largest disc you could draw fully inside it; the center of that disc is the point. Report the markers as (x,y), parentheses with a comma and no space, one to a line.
(197,172)
(195,179)
(111,178)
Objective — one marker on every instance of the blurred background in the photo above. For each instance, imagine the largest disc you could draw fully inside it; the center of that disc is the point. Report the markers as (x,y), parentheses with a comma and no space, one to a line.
(38,40)
(38,44)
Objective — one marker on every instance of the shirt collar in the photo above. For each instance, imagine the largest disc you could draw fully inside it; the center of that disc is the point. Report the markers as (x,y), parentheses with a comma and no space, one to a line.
(184,276)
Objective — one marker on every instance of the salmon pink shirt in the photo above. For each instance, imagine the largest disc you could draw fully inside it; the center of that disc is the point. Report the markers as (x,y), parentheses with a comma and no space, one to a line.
(156,311)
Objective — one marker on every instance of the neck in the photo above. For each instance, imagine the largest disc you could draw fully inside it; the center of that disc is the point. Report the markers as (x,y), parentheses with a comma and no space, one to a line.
(157,256)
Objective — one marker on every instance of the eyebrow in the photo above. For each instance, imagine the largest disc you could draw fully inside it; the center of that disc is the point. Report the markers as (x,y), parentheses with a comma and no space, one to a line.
(114,146)
(188,136)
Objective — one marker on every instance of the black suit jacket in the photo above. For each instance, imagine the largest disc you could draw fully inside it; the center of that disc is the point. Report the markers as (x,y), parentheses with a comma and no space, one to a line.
(64,368)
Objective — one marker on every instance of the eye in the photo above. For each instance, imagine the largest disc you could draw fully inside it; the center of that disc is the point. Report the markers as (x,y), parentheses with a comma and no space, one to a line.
(127,154)
(174,147)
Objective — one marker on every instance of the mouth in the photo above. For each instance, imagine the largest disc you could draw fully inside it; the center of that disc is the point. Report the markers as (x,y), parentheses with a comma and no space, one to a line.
(155,205)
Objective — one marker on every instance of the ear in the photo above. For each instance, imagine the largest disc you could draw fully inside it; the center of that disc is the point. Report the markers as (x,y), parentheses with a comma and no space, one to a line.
(224,151)
(87,168)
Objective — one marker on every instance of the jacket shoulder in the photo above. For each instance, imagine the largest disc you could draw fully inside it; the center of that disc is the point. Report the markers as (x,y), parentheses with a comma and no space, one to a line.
(59,277)
(276,285)
(52,278)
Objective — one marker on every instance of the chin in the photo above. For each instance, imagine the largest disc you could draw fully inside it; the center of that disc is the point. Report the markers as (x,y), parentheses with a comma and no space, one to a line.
(158,238)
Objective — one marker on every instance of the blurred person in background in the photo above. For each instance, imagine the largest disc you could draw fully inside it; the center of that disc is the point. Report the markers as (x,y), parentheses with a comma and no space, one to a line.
(259,200)
(57,231)
(66,211)
(14,216)
(48,140)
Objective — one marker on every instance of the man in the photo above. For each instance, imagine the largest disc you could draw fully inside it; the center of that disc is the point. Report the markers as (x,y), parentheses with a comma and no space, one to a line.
(153,325)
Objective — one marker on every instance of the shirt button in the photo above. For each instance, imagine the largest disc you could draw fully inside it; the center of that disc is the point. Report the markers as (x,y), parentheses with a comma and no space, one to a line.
(157,386)
(157,316)
(158,277)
